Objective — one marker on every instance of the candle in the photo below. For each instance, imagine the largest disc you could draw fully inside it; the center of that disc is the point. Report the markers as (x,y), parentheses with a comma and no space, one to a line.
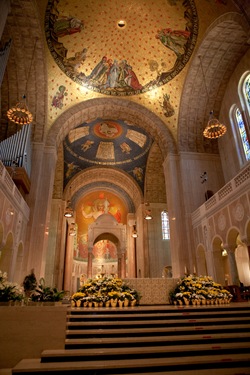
(194,269)
(185,270)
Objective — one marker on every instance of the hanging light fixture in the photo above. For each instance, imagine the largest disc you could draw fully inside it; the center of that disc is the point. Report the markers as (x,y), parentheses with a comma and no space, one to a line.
(20,113)
(214,129)
(148,215)
(134,232)
(72,229)
(69,210)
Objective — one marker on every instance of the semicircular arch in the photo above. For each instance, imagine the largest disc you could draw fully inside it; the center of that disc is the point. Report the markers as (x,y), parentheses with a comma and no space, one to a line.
(113,177)
(115,109)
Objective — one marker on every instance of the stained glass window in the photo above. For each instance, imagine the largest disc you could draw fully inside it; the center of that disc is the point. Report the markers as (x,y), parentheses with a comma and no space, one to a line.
(165,225)
(247,91)
(243,133)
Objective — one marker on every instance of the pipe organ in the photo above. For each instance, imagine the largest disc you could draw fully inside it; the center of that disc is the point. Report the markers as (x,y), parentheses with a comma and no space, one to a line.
(15,154)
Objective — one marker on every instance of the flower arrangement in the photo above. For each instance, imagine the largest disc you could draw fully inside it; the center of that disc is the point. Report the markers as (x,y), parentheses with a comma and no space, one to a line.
(78,295)
(9,291)
(199,289)
(103,290)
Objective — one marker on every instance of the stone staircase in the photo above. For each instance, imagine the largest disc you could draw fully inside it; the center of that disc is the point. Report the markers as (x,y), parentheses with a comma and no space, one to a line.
(150,340)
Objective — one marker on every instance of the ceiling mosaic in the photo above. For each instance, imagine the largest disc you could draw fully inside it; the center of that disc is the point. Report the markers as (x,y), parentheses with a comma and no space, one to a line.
(121,48)
(107,143)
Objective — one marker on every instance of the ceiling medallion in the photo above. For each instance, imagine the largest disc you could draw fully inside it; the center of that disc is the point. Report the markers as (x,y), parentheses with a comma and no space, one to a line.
(137,61)
(121,24)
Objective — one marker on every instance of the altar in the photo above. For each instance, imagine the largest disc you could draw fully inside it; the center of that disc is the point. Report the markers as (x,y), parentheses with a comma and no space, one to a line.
(153,291)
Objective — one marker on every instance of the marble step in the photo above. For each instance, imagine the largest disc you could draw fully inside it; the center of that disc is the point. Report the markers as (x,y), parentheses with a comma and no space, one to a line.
(121,342)
(142,352)
(144,331)
(188,321)
(98,315)
(34,366)
(166,309)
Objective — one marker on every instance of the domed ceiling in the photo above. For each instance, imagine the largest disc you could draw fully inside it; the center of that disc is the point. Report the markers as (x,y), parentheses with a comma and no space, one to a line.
(103,143)
(121,48)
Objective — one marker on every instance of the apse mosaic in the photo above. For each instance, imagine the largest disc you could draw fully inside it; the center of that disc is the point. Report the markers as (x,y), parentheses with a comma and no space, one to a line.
(107,143)
(88,209)
(121,48)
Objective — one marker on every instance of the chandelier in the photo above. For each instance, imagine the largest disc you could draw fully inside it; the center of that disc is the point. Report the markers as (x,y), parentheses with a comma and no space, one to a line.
(214,129)
(20,113)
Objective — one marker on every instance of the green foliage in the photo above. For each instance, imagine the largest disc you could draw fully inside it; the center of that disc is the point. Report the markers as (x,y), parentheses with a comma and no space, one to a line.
(43,293)
(104,289)
(197,288)
(9,291)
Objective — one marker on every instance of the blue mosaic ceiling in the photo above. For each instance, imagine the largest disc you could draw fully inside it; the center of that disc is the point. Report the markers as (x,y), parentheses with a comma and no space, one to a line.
(107,143)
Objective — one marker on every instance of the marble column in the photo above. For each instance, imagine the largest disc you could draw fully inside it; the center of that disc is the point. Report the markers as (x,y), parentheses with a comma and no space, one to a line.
(246,242)
(89,267)
(123,265)
(119,262)
(232,265)
(68,262)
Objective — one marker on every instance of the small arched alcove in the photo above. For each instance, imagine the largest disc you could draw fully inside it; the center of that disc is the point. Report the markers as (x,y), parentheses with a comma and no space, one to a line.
(108,236)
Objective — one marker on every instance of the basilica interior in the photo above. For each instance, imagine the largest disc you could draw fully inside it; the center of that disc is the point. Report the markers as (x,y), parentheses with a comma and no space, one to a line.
(125,140)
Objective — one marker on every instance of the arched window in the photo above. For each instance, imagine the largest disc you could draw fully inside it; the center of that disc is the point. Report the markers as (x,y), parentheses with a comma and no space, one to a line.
(165,225)
(243,133)
(246,91)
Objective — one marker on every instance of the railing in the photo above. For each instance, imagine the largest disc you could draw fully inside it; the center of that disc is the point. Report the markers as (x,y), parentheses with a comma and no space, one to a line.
(12,193)
(240,182)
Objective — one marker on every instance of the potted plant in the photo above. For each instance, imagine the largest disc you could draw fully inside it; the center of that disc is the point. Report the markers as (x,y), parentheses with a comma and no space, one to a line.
(46,294)
(9,292)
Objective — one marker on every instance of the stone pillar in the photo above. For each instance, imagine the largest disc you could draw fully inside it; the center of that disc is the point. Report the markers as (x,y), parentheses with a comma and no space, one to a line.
(176,211)
(232,265)
(246,242)
(89,267)
(119,266)
(131,246)
(68,262)
(39,201)
(17,231)
(123,264)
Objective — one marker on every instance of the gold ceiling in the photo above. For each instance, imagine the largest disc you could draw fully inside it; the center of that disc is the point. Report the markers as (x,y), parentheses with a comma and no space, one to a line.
(121,48)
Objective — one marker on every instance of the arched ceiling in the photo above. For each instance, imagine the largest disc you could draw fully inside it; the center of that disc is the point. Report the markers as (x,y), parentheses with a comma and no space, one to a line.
(111,143)
(225,43)
(121,48)
(161,42)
